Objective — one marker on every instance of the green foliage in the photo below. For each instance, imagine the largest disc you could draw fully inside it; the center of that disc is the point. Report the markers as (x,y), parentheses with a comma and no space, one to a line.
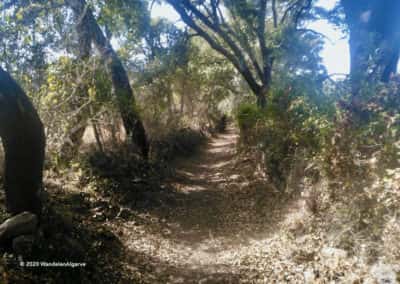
(73,92)
(124,18)
(176,143)
(193,91)
(361,161)
(248,115)
(371,132)
(291,122)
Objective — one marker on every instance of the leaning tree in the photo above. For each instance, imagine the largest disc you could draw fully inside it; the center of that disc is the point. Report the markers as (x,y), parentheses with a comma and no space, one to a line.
(86,24)
(23,138)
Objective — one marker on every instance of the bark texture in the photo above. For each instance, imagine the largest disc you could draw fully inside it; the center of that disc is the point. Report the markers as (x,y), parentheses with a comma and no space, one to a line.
(23,138)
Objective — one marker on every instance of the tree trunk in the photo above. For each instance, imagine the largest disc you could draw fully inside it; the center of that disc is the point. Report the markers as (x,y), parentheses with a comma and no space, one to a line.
(374,41)
(220,39)
(262,97)
(120,81)
(23,139)
(97,136)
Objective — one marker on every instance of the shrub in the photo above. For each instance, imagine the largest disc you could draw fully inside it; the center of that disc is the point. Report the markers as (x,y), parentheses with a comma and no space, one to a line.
(176,143)
(248,115)
(290,122)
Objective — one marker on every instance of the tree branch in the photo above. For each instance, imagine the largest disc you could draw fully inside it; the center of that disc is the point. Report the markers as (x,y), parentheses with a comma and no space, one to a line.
(265,54)
(301,10)
(239,62)
(237,51)
(288,10)
(274,13)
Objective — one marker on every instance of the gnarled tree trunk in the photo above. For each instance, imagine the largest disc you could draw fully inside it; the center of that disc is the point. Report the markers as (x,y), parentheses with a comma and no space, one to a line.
(23,139)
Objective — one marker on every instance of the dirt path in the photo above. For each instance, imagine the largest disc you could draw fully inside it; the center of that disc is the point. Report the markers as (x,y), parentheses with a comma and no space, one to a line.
(216,221)
(207,226)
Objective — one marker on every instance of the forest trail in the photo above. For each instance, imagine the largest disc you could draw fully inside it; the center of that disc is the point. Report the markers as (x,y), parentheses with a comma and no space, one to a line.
(216,218)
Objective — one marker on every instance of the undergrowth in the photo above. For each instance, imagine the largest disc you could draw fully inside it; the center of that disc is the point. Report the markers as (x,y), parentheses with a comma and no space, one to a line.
(348,163)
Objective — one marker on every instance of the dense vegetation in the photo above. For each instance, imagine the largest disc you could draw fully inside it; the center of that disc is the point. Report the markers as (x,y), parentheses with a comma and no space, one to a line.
(166,137)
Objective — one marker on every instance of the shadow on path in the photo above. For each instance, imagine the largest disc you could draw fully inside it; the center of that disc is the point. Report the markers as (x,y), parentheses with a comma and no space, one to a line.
(208,210)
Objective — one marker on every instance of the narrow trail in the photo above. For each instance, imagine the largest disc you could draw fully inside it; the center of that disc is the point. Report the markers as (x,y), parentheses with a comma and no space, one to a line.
(214,214)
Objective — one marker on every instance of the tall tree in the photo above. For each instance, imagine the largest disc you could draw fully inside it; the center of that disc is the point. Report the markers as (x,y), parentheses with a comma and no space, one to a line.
(24,145)
(122,90)
(242,31)
(374,28)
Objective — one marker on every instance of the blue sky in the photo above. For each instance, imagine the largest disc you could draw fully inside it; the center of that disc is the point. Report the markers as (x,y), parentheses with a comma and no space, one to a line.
(335,53)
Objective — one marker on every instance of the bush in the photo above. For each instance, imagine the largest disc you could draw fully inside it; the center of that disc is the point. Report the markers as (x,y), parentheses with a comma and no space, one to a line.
(290,122)
(176,143)
(248,115)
